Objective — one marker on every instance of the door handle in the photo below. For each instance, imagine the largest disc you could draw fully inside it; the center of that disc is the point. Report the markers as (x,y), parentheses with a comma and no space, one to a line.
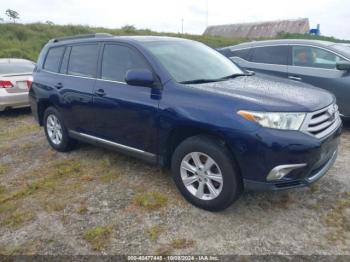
(296,78)
(59,85)
(100,92)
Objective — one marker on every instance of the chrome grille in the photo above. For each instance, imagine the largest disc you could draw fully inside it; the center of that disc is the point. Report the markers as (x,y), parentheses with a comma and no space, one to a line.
(323,122)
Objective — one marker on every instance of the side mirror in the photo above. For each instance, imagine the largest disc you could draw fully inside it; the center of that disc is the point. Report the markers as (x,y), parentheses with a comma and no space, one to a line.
(139,77)
(343,66)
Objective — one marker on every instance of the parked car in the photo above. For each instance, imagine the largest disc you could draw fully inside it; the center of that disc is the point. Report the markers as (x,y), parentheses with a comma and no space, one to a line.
(322,64)
(15,79)
(183,105)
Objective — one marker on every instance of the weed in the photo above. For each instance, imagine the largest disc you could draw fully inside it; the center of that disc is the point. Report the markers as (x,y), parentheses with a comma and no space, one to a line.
(83,209)
(151,200)
(3,170)
(182,243)
(98,236)
(314,188)
(17,218)
(338,219)
(67,167)
(154,232)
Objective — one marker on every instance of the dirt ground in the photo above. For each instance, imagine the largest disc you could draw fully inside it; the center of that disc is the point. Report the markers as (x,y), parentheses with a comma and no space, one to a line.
(92,201)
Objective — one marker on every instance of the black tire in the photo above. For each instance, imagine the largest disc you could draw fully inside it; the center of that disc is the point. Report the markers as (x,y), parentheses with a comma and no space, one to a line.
(66,144)
(232,183)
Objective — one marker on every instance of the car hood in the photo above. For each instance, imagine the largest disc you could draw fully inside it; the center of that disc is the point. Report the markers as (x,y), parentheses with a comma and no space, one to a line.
(271,93)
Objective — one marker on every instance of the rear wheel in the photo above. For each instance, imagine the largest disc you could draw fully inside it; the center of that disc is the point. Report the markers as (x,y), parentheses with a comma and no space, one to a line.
(56,132)
(205,174)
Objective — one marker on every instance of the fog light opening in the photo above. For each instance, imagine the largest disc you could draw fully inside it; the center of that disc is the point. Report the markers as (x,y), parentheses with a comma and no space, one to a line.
(280,172)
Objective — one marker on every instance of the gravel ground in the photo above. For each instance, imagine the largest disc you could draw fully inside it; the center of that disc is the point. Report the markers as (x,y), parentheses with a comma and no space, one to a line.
(93,201)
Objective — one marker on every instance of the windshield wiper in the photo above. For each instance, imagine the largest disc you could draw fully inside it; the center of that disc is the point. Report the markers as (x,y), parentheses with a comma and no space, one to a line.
(236,75)
(200,81)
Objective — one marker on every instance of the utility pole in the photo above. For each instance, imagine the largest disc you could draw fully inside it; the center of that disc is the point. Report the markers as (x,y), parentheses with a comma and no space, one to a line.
(182,26)
(207,15)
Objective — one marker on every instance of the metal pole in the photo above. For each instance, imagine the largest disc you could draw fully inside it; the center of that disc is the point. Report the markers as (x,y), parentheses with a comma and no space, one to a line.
(207,14)
(182,26)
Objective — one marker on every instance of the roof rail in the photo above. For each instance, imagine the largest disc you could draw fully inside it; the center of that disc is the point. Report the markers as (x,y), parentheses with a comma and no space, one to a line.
(66,38)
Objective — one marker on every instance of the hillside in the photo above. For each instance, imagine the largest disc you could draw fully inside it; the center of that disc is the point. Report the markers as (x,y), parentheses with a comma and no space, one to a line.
(26,40)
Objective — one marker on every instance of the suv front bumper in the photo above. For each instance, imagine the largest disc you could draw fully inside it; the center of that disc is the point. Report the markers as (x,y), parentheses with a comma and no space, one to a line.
(261,152)
(311,178)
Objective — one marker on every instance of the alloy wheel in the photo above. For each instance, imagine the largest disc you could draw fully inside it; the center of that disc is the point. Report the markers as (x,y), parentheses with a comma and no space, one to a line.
(201,176)
(54,129)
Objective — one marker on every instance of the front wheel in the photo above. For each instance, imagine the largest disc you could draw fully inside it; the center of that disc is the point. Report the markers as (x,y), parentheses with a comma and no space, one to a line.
(205,173)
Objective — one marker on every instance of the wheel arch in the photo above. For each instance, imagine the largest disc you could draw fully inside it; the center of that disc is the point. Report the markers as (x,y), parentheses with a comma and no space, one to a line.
(183,132)
(42,106)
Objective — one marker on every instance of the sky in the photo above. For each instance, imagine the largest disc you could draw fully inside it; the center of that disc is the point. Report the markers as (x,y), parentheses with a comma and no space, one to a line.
(167,15)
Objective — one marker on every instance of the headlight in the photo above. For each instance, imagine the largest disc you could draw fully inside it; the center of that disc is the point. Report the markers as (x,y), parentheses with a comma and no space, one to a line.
(286,121)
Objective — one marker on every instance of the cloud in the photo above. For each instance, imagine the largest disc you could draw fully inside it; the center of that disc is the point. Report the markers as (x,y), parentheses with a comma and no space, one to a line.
(166,15)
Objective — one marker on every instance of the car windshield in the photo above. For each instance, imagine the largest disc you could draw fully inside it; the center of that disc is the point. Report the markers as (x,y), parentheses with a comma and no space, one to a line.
(16,68)
(342,48)
(189,61)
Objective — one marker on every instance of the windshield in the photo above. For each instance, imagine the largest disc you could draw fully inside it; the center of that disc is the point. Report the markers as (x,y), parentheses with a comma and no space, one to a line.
(342,48)
(188,61)
(16,68)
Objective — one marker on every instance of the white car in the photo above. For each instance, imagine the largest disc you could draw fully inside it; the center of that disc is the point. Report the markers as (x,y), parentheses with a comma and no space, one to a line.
(15,81)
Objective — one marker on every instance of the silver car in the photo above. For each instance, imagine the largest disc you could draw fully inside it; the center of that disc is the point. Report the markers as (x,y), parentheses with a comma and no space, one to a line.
(15,81)
(319,63)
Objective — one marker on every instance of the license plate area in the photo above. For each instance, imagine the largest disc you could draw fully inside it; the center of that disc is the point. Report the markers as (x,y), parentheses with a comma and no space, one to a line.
(22,85)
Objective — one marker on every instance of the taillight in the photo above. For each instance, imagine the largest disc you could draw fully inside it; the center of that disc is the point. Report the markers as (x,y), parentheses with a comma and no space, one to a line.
(29,83)
(5,84)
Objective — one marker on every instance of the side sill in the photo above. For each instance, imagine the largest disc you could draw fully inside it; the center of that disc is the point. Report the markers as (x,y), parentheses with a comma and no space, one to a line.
(131,151)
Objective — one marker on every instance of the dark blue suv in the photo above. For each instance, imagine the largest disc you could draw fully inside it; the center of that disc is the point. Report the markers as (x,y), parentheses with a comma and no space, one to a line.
(183,105)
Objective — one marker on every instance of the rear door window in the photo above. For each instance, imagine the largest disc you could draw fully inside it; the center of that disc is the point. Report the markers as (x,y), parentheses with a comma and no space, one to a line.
(65,59)
(118,59)
(53,59)
(276,55)
(83,60)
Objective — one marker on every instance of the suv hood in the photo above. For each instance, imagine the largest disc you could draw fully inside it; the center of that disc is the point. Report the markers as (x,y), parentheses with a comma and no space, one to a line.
(272,93)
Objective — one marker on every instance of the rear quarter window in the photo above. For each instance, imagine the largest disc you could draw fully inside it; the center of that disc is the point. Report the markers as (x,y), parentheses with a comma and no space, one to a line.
(53,59)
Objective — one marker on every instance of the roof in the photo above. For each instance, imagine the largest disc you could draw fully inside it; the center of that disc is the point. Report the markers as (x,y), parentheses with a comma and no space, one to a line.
(316,43)
(104,37)
(260,29)
(14,60)
(283,42)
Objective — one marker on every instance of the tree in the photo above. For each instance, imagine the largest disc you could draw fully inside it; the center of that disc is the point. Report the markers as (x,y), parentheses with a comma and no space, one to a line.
(48,22)
(12,14)
(129,28)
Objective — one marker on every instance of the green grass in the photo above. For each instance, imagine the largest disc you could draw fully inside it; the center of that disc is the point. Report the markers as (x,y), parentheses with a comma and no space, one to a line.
(98,236)
(338,219)
(154,232)
(26,40)
(17,218)
(54,178)
(3,170)
(151,200)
